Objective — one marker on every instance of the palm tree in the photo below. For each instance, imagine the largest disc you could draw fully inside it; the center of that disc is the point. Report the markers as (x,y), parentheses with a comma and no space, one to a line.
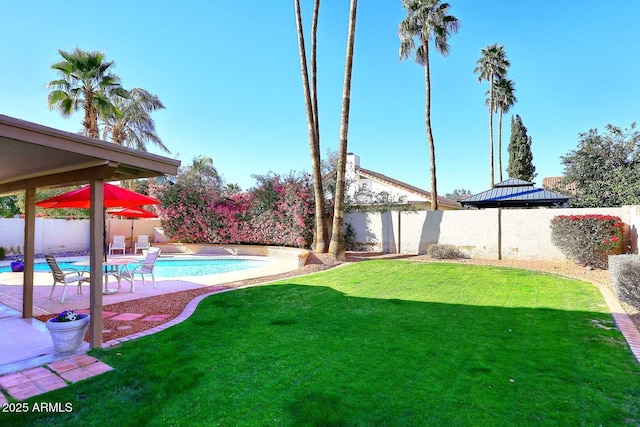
(492,66)
(426,19)
(337,244)
(311,109)
(203,170)
(504,98)
(85,82)
(130,123)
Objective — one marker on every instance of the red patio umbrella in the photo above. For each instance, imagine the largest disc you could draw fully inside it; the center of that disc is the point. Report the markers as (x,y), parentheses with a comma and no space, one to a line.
(132,213)
(114,196)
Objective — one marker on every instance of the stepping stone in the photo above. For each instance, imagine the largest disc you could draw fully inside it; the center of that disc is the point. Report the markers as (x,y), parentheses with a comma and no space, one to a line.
(127,316)
(62,366)
(123,328)
(37,373)
(155,318)
(24,391)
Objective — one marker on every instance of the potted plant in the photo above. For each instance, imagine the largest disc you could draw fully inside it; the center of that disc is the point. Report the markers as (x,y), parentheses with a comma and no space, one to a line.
(67,330)
(17,266)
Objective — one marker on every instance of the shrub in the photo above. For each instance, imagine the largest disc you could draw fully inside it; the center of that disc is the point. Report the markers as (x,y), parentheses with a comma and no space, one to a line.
(587,239)
(3,253)
(625,277)
(439,251)
(279,211)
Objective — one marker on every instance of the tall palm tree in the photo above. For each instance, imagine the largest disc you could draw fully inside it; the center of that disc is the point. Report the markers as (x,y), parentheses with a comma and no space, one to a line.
(491,66)
(504,98)
(311,109)
(85,82)
(427,19)
(337,244)
(130,123)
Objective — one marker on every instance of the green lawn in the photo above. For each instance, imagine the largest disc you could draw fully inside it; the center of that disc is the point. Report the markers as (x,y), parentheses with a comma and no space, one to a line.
(376,343)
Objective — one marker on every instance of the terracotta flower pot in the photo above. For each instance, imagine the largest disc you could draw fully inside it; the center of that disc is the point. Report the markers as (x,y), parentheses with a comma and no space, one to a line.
(68,336)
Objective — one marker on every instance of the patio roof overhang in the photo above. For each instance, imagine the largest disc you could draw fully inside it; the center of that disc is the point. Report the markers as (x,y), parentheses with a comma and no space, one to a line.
(33,156)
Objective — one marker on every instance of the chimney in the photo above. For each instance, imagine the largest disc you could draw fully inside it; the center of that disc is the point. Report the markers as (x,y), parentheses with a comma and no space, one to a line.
(353,162)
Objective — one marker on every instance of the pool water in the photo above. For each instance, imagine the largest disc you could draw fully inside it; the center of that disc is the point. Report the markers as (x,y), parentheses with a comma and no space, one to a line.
(176,267)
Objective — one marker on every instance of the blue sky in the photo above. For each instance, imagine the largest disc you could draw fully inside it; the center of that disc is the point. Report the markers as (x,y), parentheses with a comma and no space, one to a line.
(228,73)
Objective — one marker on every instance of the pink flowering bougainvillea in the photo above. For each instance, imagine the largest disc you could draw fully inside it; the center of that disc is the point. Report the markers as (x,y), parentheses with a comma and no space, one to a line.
(588,239)
(277,212)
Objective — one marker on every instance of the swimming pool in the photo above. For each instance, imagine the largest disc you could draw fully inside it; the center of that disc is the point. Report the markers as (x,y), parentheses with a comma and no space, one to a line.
(177,267)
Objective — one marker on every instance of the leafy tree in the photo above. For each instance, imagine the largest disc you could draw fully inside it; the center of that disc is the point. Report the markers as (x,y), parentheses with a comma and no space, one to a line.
(605,168)
(311,109)
(9,206)
(130,123)
(520,156)
(492,66)
(337,244)
(85,82)
(458,194)
(426,19)
(504,95)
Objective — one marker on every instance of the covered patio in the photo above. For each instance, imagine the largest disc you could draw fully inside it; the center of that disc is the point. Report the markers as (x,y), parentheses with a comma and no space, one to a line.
(35,156)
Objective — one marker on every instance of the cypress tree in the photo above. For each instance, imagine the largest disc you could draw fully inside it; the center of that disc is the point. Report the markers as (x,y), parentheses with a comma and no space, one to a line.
(520,156)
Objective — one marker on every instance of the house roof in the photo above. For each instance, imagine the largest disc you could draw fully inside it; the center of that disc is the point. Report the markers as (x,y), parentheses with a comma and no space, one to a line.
(515,193)
(405,187)
(34,156)
(556,183)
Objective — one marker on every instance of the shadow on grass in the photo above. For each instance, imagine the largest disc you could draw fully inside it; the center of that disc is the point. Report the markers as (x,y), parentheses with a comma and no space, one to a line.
(292,354)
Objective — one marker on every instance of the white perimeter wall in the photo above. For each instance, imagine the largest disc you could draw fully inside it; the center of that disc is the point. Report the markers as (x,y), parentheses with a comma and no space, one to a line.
(487,233)
(61,235)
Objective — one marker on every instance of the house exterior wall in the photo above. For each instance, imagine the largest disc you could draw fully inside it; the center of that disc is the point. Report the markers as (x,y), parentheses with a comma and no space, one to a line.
(487,233)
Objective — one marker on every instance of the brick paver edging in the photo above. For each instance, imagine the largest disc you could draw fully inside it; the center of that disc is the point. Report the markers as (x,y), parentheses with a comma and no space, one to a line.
(623,321)
(186,313)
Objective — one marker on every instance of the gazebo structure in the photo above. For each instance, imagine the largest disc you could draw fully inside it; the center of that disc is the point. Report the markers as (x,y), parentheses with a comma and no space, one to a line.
(516,193)
(34,156)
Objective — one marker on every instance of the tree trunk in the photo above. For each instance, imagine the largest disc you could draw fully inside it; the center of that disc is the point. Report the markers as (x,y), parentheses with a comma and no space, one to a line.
(314,67)
(500,145)
(427,119)
(337,246)
(491,129)
(314,142)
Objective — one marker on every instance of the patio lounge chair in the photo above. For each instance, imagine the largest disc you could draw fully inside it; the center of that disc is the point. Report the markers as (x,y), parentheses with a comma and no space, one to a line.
(142,243)
(145,267)
(118,244)
(64,276)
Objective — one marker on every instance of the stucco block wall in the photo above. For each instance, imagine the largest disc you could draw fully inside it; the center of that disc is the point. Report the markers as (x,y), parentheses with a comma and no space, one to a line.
(51,235)
(487,233)
(62,235)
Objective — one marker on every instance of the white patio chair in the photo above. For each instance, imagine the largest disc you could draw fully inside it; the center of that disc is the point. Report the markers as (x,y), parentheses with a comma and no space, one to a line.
(145,267)
(118,244)
(64,276)
(142,243)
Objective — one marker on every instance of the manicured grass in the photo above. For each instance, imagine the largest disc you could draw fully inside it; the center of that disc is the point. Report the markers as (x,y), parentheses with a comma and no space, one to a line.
(375,343)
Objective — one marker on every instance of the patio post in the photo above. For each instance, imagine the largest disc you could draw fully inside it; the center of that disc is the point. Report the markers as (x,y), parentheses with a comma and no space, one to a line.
(28,252)
(96,256)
